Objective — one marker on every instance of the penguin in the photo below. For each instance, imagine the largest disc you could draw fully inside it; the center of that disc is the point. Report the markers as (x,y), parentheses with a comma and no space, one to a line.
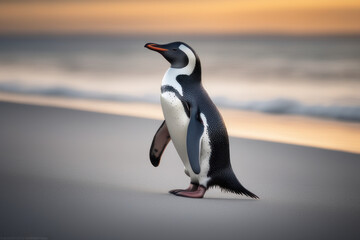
(194,124)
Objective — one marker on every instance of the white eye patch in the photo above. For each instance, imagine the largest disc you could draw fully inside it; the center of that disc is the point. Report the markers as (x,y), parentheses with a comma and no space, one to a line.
(171,74)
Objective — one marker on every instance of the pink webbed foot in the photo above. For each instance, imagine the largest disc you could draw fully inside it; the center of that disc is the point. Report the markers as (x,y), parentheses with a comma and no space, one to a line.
(198,193)
(192,187)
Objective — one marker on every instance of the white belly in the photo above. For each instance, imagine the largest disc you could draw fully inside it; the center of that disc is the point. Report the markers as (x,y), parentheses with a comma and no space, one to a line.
(177,122)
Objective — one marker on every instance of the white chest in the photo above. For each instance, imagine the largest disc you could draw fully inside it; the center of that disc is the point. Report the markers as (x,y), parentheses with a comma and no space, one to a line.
(177,122)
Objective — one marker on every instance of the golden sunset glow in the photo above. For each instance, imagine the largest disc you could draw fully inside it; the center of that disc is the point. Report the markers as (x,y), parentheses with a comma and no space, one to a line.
(202,17)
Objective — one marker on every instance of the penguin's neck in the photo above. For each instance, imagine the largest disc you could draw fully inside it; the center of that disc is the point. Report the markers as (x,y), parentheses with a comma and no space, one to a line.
(171,74)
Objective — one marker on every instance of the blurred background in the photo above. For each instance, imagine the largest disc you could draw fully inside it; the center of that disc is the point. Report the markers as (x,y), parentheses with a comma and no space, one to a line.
(286,57)
(281,71)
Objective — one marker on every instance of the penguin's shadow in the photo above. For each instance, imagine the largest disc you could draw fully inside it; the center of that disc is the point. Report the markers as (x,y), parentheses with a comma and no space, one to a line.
(209,198)
(230,199)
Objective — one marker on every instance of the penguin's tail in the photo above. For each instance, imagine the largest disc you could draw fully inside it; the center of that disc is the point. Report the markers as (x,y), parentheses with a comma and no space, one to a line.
(228,182)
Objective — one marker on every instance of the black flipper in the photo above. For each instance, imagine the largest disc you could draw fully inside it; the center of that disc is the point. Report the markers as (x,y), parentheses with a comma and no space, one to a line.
(159,143)
(193,140)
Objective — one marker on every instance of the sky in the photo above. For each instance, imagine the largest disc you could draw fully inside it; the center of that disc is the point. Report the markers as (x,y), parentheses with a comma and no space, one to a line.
(180,17)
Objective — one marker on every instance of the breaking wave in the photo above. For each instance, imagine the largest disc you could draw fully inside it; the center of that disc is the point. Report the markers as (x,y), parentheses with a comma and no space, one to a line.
(274,106)
(290,106)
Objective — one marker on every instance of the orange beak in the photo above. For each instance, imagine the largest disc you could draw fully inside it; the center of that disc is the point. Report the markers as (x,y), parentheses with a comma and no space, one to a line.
(154,46)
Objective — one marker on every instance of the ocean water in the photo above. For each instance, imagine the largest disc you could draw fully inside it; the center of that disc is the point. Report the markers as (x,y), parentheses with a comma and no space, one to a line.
(313,76)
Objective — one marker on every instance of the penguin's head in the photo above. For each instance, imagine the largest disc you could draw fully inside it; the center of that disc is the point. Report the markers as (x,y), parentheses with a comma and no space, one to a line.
(176,53)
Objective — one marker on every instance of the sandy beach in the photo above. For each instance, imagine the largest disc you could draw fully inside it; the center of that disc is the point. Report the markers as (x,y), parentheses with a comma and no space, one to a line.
(71,174)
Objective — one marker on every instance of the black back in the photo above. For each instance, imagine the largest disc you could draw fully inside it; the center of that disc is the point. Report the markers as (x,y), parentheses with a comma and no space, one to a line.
(194,94)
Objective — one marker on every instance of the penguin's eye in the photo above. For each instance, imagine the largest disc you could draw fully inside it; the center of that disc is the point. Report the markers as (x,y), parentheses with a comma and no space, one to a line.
(174,49)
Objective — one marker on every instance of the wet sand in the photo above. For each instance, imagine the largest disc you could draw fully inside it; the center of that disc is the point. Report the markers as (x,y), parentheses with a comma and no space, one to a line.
(70,174)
